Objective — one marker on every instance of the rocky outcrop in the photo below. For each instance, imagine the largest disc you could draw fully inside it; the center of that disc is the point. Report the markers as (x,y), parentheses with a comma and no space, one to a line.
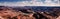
(10,13)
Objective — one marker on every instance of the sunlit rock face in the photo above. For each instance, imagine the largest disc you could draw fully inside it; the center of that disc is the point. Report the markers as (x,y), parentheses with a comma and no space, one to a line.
(6,12)
(9,13)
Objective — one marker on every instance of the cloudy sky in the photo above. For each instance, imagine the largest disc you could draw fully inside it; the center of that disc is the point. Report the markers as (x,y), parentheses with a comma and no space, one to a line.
(29,3)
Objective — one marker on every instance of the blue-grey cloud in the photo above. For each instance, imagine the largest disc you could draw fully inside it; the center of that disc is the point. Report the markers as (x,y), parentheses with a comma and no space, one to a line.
(43,1)
(54,1)
(13,0)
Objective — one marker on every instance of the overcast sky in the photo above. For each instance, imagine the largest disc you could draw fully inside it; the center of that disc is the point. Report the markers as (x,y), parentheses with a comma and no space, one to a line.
(29,3)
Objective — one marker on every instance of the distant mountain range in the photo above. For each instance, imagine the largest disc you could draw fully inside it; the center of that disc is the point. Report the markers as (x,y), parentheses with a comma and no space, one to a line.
(37,8)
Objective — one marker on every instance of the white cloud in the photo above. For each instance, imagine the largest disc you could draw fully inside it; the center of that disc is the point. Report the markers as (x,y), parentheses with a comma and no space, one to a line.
(31,3)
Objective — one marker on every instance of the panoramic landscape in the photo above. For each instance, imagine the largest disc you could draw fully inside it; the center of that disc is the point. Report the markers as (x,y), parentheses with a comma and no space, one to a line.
(29,9)
(29,12)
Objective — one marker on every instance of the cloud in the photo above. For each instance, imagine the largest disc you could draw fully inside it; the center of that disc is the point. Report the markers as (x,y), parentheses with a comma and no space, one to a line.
(13,0)
(30,3)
